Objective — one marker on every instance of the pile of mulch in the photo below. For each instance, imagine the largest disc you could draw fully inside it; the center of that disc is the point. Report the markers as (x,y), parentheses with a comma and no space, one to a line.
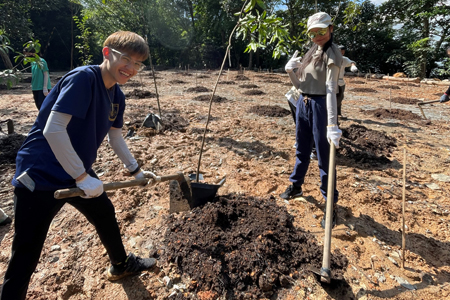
(403,100)
(198,89)
(177,81)
(253,92)
(227,82)
(133,84)
(9,145)
(269,111)
(249,86)
(273,80)
(216,98)
(362,145)
(140,94)
(241,247)
(394,113)
(364,90)
(393,87)
(357,82)
(241,77)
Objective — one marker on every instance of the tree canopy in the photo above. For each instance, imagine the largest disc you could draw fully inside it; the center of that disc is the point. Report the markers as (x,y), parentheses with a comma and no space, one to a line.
(400,35)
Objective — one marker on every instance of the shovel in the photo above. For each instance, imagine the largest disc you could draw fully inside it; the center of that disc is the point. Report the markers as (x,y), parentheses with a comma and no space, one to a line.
(325,272)
(423,103)
(182,181)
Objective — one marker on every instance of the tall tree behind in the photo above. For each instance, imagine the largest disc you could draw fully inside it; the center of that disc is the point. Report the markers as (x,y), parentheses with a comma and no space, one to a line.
(429,21)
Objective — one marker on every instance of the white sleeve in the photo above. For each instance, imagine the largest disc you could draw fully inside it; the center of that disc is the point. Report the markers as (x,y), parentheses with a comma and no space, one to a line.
(120,147)
(347,62)
(55,132)
(331,85)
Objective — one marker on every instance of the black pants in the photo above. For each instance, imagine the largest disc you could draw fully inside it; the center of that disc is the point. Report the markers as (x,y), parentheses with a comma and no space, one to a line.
(34,212)
(38,98)
(339,98)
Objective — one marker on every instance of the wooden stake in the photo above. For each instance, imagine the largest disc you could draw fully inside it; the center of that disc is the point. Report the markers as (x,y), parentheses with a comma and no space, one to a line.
(390,102)
(403,209)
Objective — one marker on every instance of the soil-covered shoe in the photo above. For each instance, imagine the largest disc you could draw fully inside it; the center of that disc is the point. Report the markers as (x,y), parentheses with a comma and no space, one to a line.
(132,265)
(313,156)
(291,192)
(333,223)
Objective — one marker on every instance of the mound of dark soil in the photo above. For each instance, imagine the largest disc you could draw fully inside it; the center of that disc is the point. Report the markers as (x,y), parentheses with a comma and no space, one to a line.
(242,247)
(177,81)
(185,74)
(357,82)
(394,113)
(198,89)
(249,86)
(208,98)
(364,90)
(365,145)
(133,84)
(174,122)
(139,94)
(203,76)
(270,80)
(393,87)
(227,82)
(287,83)
(269,111)
(9,145)
(253,92)
(241,77)
(404,100)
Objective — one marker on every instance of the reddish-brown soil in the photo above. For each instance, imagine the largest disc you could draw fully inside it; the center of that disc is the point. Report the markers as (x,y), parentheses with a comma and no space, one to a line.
(249,243)
(404,100)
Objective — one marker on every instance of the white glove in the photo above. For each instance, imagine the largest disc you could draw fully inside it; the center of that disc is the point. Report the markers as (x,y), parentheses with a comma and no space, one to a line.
(354,69)
(334,135)
(293,63)
(45,91)
(144,174)
(92,187)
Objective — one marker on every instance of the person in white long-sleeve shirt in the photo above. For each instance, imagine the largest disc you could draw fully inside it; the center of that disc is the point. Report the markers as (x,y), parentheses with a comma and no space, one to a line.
(346,62)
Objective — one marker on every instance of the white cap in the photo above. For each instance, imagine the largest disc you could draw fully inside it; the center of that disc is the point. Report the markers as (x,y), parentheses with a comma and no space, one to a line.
(319,20)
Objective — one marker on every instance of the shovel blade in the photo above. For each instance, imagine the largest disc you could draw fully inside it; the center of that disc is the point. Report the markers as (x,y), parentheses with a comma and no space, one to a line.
(180,193)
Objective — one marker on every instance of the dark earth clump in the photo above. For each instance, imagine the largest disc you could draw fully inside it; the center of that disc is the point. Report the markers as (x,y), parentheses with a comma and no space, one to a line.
(403,100)
(198,89)
(140,94)
(273,80)
(364,90)
(185,74)
(269,111)
(393,87)
(357,82)
(203,76)
(362,145)
(249,86)
(253,92)
(174,122)
(394,113)
(227,82)
(177,81)
(216,98)
(287,83)
(241,77)
(133,84)
(9,145)
(248,247)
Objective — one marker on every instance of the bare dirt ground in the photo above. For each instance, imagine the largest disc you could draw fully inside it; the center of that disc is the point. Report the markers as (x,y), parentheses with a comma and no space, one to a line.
(249,243)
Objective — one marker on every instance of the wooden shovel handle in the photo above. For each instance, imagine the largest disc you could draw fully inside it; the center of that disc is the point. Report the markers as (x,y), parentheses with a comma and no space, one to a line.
(74,192)
(428,102)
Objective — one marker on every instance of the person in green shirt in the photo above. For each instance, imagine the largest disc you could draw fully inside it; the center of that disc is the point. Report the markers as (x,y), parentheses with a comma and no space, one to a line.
(40,78)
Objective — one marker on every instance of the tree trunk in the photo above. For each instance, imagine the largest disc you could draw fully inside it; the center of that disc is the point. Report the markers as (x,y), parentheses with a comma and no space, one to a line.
(425,34)
(250,60)
(6,60)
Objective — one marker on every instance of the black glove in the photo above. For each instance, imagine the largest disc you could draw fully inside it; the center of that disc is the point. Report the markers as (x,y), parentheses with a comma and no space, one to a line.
(444,98)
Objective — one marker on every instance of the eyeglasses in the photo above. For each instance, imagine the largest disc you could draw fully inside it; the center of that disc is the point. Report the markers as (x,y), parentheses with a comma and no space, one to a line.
(125,59)
(320,32)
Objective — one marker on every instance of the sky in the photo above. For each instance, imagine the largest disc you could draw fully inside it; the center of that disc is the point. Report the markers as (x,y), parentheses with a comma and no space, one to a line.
(378,2)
